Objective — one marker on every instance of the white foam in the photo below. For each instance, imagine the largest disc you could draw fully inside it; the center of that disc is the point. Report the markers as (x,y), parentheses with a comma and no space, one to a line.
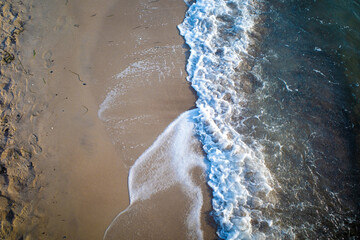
(167,162)
(139,74)
(108,102)
(145,69)
(317,71)
(237,175)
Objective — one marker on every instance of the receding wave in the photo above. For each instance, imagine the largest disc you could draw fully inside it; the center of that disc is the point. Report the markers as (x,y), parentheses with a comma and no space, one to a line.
(167,164)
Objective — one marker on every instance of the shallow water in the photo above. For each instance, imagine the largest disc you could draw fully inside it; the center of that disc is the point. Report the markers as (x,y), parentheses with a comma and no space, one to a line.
(278,95)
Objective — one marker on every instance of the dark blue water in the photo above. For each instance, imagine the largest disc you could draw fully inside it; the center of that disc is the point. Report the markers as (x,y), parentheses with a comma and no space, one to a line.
(312,70)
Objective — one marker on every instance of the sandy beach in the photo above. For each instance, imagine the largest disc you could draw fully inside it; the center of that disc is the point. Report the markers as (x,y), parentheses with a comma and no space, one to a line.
(103,79)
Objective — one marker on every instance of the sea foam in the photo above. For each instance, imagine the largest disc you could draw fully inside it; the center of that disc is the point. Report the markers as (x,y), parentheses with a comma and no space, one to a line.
(218,34)
(169,161)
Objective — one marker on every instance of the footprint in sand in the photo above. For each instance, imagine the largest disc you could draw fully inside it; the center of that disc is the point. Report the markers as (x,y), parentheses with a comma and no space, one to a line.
(33,140)
(47,57)
(60,22)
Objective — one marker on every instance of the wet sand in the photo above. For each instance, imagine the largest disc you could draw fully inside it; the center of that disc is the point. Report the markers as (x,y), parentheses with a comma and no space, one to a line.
(77,52)
(80,178)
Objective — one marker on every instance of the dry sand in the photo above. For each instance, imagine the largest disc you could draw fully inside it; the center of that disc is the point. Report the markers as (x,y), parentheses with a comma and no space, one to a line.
(19,110)
(71,52)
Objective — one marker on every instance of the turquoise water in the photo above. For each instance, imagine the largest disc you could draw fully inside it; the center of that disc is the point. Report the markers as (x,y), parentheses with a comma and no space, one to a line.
(278,98)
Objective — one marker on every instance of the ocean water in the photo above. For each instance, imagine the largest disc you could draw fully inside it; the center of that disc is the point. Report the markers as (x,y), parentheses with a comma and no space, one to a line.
(278,114)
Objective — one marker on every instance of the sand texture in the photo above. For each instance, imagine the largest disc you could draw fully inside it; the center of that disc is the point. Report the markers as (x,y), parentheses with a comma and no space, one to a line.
(87,87)
(20,107)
